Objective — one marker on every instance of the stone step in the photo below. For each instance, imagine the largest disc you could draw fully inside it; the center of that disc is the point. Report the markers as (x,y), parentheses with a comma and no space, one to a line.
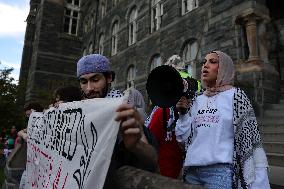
(274,113)
(279,107)
(273,147)
(275,175)
(9,185)
(272,128)
(267,121)
(275,159)
(274,186)
(272,136)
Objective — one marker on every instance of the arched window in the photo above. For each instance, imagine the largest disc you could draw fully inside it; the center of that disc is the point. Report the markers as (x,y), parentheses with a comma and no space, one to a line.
(133,27)
(103,8)
(188,5)
(71,17)
(156,61)
(101,44)
(190,56)
(157,11)
(90,48)
(114,38)
(131,74)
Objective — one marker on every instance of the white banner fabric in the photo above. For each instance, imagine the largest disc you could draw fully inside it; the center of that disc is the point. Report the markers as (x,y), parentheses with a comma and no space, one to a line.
(71,146)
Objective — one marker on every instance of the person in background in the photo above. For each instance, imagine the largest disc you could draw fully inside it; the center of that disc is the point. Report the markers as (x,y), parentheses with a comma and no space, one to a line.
(220,132)
(22,135)
(66,94)
(29,108)
(137,99)
(10,141)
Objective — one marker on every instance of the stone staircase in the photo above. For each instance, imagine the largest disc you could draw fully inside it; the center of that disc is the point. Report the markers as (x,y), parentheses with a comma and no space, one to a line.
(272,135)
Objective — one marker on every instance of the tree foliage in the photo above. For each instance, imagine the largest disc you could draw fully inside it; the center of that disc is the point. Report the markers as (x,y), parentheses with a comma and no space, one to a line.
(10,113)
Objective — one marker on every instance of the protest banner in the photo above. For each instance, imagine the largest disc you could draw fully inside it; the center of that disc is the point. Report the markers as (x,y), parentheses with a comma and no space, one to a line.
(71,146)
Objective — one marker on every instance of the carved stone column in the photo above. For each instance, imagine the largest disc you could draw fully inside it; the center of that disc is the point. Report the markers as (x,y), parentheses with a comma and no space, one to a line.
(251,32)
(254,73)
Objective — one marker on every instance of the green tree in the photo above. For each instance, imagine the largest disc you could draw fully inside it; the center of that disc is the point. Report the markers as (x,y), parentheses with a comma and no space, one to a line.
(10,113)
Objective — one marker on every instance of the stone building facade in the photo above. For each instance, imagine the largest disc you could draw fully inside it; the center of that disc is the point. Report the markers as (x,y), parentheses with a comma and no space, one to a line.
(51,49)
(138,35)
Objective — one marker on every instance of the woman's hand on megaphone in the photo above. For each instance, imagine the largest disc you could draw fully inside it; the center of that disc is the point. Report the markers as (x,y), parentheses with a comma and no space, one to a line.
(183,105)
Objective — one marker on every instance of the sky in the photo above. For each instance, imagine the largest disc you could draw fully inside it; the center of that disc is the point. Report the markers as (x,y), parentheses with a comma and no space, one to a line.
(13,14)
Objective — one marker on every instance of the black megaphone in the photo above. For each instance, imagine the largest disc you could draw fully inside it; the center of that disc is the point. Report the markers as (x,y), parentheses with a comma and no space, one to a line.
(164,86)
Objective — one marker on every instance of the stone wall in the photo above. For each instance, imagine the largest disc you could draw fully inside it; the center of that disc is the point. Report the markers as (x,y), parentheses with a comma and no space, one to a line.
(225,25)
(27,50)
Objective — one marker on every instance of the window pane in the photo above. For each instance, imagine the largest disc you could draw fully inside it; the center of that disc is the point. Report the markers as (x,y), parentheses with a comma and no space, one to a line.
(131,73)
(75,14)
(154,19)
(161,9)
(156,62)
(133,15)
(66,24)
(101,44)
(189,70)
(69,1)
(76,2)
(193,50)
(114,28)
(74,26)
(131,31)
(195,3)
(186,53)
(68,12)
(90,48)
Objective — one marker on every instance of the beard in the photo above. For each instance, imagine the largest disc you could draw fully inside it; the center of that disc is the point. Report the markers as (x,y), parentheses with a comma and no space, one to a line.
(97,94)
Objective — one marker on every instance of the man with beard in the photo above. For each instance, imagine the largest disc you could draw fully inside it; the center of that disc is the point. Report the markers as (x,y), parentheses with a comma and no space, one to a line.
(133,146)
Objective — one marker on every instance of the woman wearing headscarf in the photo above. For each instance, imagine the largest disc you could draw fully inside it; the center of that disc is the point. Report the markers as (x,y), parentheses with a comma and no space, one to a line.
(219,130)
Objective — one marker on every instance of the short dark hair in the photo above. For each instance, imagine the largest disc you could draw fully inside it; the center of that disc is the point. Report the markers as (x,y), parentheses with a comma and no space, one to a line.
(68,94)
(33,105)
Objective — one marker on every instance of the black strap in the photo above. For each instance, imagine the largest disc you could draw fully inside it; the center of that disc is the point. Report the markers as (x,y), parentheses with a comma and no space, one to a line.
(165,118)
